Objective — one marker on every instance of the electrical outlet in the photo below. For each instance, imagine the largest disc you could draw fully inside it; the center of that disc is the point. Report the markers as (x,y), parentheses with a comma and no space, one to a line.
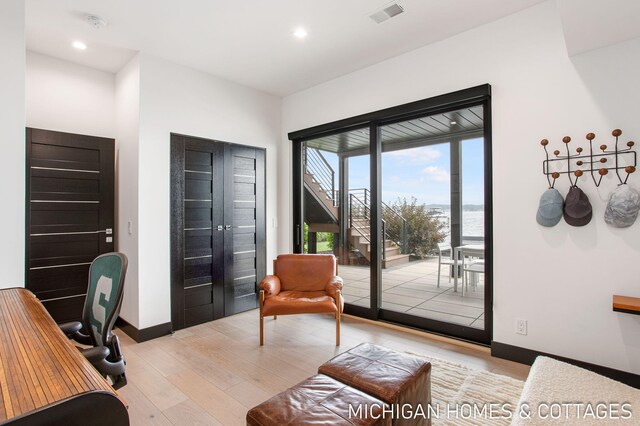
(521,326)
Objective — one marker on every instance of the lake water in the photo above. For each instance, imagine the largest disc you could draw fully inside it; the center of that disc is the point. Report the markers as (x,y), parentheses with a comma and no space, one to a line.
(472,223)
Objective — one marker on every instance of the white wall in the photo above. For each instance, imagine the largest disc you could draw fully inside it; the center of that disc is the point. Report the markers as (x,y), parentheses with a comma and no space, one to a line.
(127,122)
(12,140)
(560,279)
(177,99)
(68,97)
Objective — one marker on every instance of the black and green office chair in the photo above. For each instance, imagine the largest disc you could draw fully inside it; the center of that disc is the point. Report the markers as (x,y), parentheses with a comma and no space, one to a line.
(101,309)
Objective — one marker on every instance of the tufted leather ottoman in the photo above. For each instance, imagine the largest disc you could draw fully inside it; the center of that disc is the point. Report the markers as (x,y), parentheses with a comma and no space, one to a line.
(392,377)
(319,400)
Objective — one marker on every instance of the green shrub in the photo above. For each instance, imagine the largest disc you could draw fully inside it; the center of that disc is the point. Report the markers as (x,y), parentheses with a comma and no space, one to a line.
(424,231)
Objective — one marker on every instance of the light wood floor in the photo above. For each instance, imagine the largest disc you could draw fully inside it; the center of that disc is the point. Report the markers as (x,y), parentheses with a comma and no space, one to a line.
(211,374)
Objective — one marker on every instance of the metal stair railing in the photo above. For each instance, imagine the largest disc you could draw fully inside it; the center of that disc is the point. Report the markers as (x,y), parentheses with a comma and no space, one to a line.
(322,172)
(360,210)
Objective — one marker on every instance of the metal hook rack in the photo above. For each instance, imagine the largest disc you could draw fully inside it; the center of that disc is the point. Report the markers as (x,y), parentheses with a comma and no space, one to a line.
(579,163)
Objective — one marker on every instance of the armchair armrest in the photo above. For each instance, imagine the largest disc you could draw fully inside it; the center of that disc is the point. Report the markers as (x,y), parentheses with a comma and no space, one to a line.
(334,286)
(271,285)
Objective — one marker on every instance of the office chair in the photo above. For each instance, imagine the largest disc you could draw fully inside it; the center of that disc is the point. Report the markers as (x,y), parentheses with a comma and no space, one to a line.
(101,309)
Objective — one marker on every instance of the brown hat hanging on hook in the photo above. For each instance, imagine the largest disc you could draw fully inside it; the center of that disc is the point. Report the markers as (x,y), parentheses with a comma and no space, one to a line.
(577,208)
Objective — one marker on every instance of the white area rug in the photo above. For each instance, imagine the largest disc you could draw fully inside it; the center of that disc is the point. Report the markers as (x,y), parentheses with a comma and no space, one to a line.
(462,393)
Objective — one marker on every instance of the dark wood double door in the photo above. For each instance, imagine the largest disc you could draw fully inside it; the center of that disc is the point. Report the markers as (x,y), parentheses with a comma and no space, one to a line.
(217,229)
(69,216)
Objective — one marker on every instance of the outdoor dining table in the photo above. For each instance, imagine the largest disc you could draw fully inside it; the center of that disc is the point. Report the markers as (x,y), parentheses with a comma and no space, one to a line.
(459,253)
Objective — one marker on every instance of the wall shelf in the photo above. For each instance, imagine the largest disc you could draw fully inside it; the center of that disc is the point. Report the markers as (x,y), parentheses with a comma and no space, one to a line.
(626,304)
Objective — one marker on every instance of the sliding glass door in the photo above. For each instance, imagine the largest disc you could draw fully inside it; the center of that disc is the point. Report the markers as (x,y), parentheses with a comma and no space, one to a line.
(433,220)
(410,192)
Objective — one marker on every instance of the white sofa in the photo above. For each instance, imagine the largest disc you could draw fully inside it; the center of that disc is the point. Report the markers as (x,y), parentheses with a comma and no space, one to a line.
(557,393)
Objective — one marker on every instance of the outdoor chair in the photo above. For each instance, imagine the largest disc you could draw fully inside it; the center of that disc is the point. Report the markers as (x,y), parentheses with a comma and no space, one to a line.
(442,260)
(474,267)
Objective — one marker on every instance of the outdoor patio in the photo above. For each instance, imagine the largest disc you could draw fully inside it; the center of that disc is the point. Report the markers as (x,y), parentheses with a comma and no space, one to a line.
(412,288)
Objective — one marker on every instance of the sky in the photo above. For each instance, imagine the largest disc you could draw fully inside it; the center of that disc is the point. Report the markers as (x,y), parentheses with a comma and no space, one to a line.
(422,172)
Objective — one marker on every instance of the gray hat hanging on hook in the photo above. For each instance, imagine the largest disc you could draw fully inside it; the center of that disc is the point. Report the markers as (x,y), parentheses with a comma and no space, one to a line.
(551,202)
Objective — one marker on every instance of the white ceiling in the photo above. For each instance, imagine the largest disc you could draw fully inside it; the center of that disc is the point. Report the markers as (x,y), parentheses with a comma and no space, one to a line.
(250,41)
(591,24)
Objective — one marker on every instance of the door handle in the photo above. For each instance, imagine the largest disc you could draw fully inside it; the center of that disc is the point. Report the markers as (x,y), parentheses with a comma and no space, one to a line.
(219,228)
(227,227)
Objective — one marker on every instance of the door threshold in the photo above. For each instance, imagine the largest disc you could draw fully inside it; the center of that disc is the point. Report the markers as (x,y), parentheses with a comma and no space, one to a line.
(426,334)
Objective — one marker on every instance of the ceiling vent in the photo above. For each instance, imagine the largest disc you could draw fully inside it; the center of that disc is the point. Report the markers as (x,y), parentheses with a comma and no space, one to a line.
(387,13)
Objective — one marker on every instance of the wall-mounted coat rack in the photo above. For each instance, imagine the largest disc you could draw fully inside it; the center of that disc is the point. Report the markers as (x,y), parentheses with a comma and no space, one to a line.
(600,161)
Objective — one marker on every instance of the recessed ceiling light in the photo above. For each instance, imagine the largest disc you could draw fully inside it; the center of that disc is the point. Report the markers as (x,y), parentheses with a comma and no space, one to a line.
(79,45)
(300,32)
(453,123)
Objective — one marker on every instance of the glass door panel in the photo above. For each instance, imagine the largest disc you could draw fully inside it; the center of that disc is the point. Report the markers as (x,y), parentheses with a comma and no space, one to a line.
(355,269)
(473,226)
(432,206)
(337,208)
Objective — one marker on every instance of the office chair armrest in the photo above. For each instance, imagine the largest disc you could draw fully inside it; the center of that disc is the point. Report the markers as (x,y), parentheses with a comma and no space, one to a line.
(70,328)
(334,285)
(72,331)
(96,354)
(271,285)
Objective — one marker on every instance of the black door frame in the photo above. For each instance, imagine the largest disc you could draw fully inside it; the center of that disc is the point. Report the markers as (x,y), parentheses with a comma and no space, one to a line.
(474,96)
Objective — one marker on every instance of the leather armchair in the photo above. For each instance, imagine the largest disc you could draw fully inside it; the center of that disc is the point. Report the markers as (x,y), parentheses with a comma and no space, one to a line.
(302,284)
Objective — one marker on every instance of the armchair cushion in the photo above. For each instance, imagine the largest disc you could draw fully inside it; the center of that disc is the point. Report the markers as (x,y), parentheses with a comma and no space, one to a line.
(271,285)
(299,302)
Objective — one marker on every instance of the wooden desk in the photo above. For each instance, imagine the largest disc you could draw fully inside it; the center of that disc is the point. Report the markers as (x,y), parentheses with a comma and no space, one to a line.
(44,379)
(629,305)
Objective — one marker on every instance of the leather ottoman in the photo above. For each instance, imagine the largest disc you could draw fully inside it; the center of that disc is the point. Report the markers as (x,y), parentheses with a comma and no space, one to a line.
(402,381)
(319,400)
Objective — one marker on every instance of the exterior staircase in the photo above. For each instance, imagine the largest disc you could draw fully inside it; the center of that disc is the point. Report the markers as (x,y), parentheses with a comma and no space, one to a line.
(326,202)
(322,213)
(361,240)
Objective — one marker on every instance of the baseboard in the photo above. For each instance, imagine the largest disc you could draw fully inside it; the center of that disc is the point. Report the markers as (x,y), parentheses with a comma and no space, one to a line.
(146,333)
(527,356)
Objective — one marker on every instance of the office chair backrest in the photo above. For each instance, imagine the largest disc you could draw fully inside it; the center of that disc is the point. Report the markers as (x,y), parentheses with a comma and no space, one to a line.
(104,296)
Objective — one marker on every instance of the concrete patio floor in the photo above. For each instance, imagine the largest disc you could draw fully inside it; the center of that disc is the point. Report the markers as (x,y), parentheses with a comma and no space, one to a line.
(412,288)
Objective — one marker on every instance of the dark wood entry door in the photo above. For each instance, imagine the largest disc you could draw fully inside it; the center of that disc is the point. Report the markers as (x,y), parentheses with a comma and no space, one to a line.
(217,229)
(70,216)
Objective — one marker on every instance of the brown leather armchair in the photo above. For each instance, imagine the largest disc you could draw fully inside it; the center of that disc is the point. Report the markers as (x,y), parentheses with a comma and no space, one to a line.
(302,284)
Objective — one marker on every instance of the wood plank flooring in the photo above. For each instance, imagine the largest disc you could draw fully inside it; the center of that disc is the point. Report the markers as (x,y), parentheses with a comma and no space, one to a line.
(211,374)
